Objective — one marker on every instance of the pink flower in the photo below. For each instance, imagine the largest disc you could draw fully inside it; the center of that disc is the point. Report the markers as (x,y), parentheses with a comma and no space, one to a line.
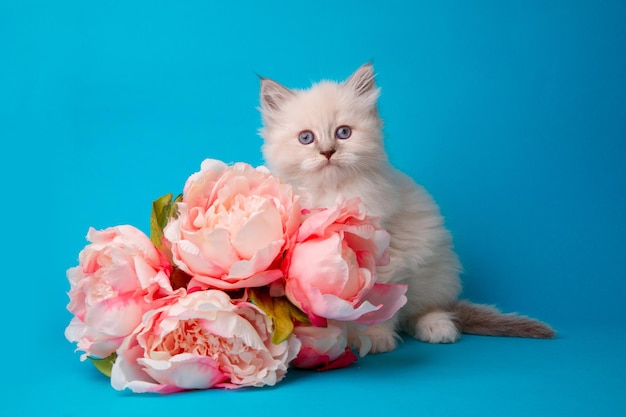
(332,268)
(203,340)
(234,224)
(323,348)
(120,276)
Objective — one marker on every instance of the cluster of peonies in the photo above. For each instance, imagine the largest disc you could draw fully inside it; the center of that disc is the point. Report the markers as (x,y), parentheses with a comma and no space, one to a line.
(236,283)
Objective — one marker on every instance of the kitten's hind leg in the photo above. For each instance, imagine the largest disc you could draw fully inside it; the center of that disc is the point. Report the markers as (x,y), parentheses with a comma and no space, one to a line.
(435,326)
(377,338)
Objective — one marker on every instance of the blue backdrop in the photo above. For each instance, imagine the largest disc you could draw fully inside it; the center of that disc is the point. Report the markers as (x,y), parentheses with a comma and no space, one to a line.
(512,114)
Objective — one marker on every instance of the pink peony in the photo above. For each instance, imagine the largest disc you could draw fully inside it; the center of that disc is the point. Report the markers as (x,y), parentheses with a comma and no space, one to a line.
(204,340)
(234,224)
(323,348)
(332,268)
(120,276)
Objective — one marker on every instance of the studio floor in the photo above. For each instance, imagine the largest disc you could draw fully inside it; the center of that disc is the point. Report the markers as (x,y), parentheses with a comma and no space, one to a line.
(580,373)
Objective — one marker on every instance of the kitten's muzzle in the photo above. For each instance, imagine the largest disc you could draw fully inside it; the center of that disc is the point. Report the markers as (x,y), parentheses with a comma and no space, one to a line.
(328,153)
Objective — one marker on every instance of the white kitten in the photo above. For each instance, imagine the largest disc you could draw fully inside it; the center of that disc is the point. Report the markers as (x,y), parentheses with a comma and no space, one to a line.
(328,139)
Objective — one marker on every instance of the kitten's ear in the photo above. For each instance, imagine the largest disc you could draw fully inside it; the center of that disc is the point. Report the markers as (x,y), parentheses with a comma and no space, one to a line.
(362,81)
(273,95)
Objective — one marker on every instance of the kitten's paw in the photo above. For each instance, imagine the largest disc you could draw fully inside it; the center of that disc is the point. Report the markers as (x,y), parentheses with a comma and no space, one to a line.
(437,327)
(378,338)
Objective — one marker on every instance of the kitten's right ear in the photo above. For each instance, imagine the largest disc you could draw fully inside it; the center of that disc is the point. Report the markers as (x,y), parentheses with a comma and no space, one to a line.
(273,95)
(362,81)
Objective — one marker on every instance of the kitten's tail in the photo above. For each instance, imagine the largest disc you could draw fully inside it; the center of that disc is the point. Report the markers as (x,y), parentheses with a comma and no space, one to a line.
(489,321)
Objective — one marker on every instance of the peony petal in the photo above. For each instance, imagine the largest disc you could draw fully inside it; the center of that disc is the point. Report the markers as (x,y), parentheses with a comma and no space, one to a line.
(229,325)
(145,272)
(115,316)
(171,231)
(101,236)
(75,330)
(128,374)
(261,260)
(300,298)
(347,359)
(316,223)
(213,246)
(323,348)
(262,229)
(120,273)
(327,306)
(390,298)
(213,165)
(186,371)
(200,185)
(188,257)
(225,283)
(319,263)
(330,340)
(382,240)
(309,358)
(131,237)
(332,307)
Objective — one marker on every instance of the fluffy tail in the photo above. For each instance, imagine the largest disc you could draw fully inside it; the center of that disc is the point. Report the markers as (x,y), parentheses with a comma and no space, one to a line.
(488,321)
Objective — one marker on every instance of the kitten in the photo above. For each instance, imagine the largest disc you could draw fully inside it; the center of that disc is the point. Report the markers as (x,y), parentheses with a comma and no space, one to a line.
(328,139)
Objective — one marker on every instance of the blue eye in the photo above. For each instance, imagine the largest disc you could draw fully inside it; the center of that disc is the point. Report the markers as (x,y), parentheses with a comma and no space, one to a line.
(306,137)
(343,132)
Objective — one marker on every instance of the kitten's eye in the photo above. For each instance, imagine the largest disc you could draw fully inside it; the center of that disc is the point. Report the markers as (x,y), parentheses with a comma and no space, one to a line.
(306,137)
(343,132)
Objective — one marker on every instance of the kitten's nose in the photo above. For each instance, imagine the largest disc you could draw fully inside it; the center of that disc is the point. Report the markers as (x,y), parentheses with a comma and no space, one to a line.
(328,153)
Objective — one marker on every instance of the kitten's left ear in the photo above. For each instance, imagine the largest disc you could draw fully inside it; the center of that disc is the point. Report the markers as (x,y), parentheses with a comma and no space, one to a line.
(362,81)
(273,95)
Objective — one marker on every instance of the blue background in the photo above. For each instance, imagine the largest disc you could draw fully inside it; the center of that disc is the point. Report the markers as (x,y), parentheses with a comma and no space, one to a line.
(512,114)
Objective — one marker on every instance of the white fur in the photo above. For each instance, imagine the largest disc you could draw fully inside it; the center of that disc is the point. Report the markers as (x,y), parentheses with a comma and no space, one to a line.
(421,247)
(437,327)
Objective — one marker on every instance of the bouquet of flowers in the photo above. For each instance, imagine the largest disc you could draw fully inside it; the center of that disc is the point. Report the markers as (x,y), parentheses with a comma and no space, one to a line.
(238,281)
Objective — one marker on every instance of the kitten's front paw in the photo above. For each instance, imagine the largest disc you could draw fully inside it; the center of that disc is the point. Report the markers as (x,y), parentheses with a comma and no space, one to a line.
(437,327)
(382,337)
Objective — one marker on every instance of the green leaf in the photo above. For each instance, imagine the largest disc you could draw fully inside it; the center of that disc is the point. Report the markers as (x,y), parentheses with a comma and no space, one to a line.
(173,209)
(283,324)
(163,208)
(104,365)
(297,314)
(282,312)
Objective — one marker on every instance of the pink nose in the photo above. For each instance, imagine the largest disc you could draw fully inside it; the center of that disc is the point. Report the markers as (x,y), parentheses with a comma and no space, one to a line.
(328,153)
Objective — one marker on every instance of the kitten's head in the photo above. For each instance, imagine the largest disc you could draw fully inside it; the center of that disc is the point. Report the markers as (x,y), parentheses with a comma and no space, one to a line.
(326,133)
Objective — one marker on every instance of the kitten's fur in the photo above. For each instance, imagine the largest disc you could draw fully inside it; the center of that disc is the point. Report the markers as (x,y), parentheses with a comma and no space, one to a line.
(421,247)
